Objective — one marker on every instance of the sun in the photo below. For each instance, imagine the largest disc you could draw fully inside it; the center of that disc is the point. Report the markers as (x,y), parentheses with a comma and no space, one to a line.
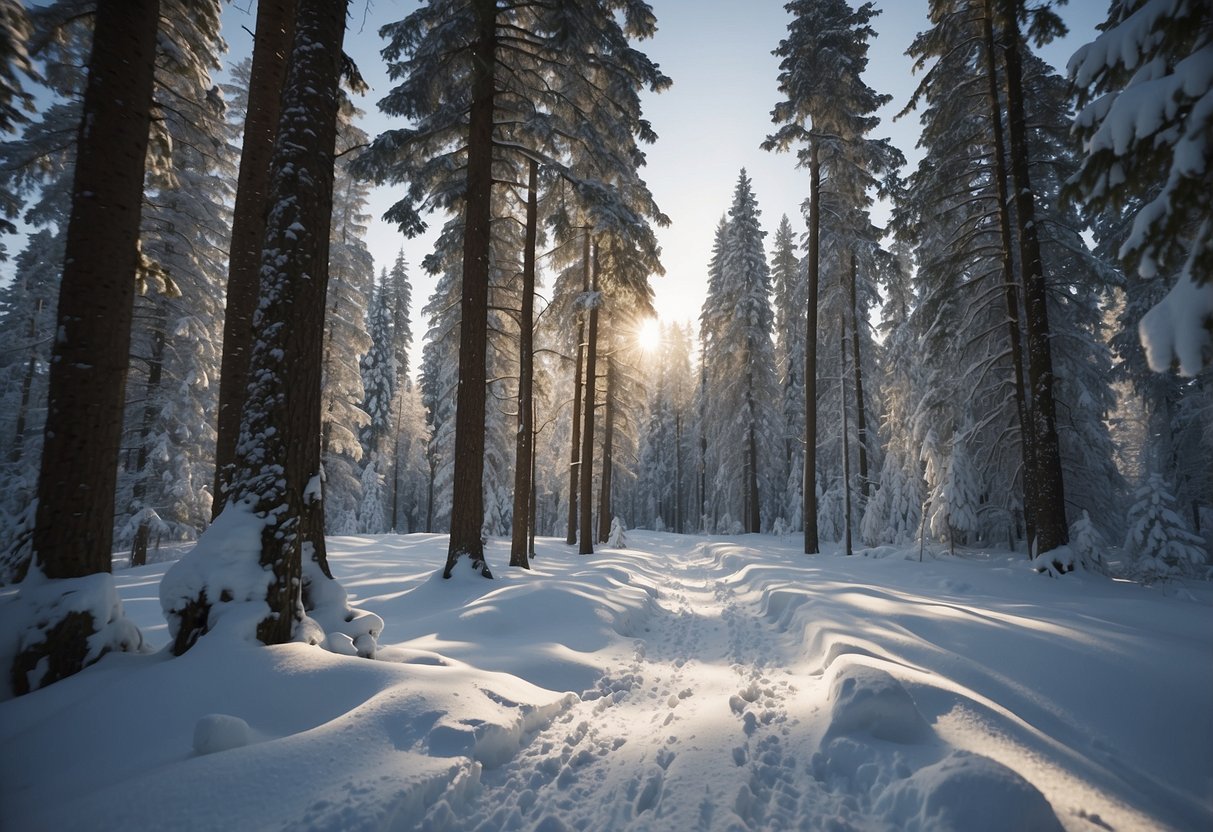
(648,335)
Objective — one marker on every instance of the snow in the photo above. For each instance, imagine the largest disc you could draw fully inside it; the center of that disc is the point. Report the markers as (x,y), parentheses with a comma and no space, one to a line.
(682,683)
(1179,329)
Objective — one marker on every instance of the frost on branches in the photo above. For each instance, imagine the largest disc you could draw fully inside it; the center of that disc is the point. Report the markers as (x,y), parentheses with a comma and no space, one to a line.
(1146,118)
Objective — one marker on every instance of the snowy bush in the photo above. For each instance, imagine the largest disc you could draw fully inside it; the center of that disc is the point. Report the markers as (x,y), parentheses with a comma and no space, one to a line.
(617,540)
(1087,544)
(1158,537)
(955,500)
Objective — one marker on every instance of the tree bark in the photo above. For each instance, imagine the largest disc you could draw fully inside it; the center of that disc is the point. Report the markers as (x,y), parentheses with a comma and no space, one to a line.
(74,518)
(861,418)
(703,443)
(753,515)
(467,504)
(271,46)
(27,385)
(586,542)
(605,511)
(1050,509)
(155,374)
(1027,441)
(278,460)
(524,450)
(73,533)
(846,439)
(678,519)
(575,451)
(811,544)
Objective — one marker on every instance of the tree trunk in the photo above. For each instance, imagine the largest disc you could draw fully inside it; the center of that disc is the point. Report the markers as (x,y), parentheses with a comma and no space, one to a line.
(605,512)
(1050,508)
(534,506)
(861,418)
(811,545)
(467,504)
(678,519)
(27,385)
(429,493)
(395,522)
(74,518)
(155,373)
(703,444)
(271,46)
(575,451)
(1027,442)
(753,510)
(278,462)
(846,439)
(586,542)
(73,532)
(519,543)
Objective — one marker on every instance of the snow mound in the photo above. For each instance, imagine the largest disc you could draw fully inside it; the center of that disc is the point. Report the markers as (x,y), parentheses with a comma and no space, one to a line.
(43,609)
(868,701)
(966,791)
(220,732)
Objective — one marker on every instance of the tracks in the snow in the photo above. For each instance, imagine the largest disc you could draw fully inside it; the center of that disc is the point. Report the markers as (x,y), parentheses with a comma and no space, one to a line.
(691,731)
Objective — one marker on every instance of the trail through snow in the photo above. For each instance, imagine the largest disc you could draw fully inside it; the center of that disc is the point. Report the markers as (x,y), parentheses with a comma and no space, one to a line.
(687,734)
(724,718)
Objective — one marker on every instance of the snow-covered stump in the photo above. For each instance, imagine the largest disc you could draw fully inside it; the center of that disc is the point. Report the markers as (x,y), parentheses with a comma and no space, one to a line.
(54,628)
(221,585)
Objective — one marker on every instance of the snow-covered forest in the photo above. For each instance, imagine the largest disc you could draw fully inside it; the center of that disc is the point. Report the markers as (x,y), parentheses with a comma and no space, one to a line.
(971,387)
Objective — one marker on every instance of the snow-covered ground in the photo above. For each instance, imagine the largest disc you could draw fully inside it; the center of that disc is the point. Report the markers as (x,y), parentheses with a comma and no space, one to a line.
(682,683)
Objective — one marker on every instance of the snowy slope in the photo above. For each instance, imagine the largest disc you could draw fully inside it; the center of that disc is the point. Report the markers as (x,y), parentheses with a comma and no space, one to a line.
(719,684)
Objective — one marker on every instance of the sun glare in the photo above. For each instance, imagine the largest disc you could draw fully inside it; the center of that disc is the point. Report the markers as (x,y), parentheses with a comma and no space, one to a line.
(648,335)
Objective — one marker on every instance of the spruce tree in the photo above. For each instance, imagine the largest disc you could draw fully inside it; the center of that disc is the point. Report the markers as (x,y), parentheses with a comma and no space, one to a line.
(495,88)
(277,481)
(1145,135)
(271,49)
(73,524)
(827,112)
(739,356)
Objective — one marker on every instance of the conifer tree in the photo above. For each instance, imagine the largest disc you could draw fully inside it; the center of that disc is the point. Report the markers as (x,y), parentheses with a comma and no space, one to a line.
(15,33)
(177,330)
(73,525)
(277,490)
(827,113)
(1145,135)
(741,366)
(1158,537)
(349,294)
(490,89)
(271,49)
